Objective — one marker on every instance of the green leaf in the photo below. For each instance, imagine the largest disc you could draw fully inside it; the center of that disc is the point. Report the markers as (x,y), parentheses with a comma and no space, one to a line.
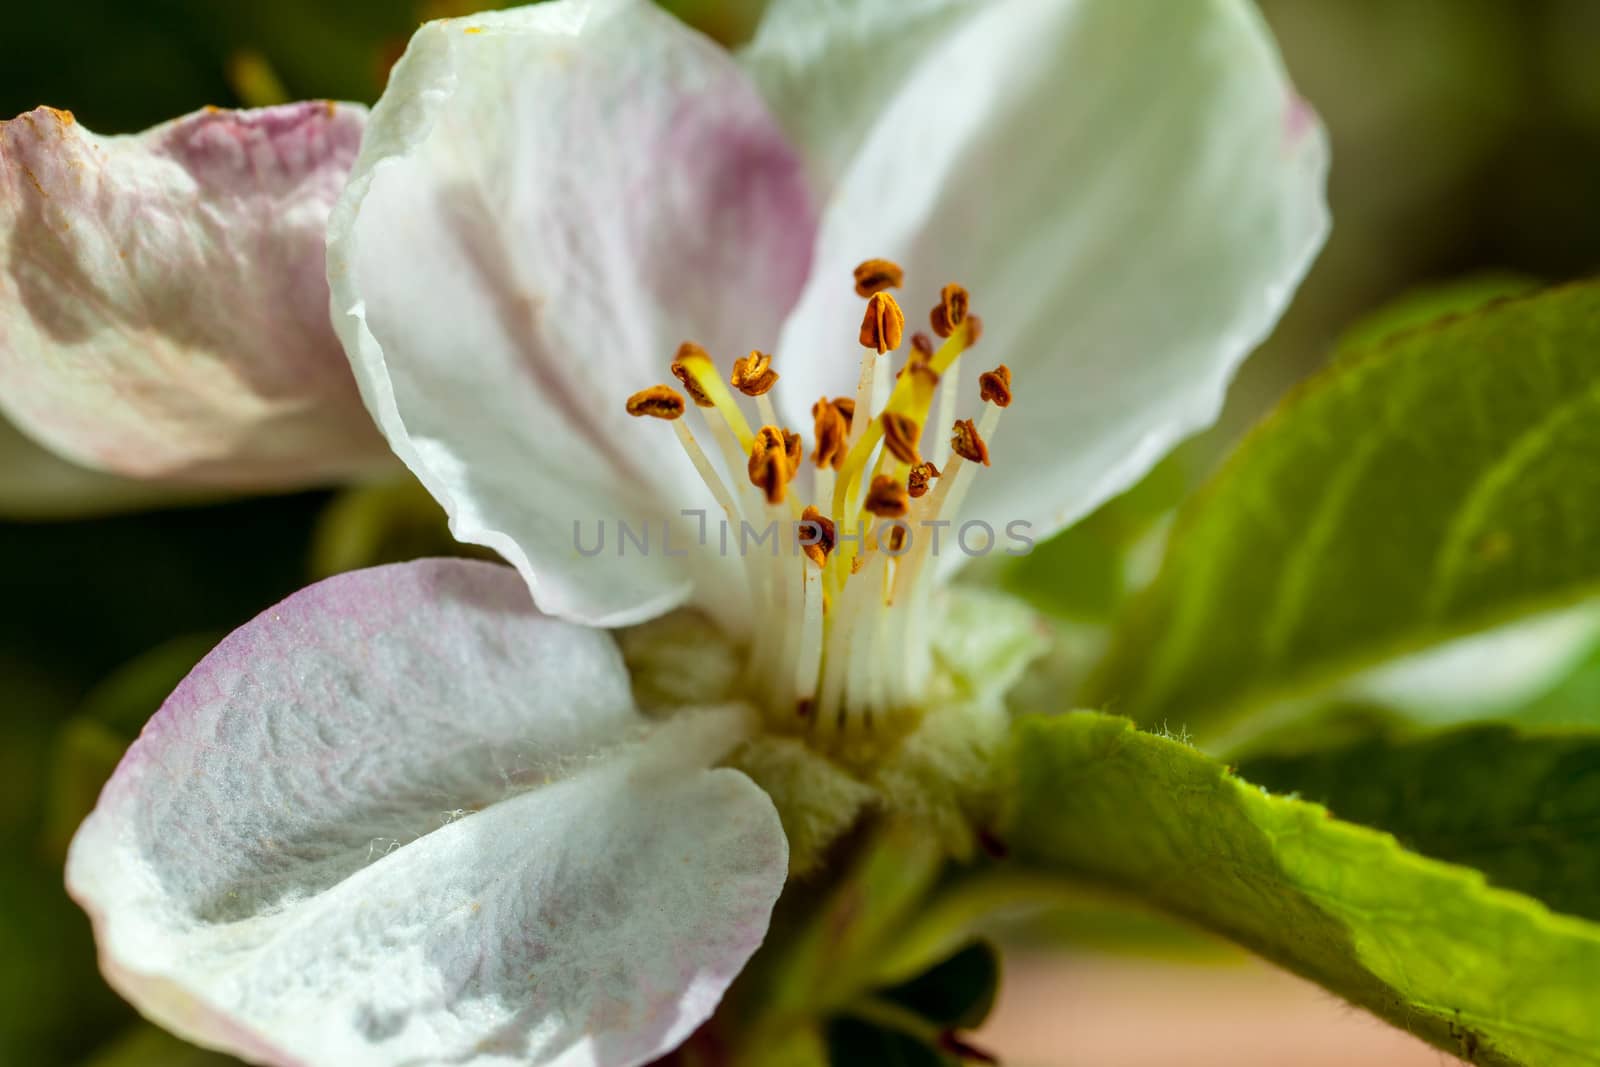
(1484,973)
(1573,701)
(826,943)
(1421,306)
(1524,809)
(1013,905)
(1439,483)
(957,993)
(85,755)
(146,1046)
(858,1043)
(53,1006)
(917,1023)
(124,701)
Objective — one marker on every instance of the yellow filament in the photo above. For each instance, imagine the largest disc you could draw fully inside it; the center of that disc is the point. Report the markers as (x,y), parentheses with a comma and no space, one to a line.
(704,373)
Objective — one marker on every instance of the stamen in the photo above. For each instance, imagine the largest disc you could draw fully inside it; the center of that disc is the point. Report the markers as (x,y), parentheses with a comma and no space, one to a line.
(883,325)
(995,386)
(658,402)
(831,430)
(951,311)
(863,640)
(900,436)
(753,375)
(910,393)
(865,387)
(707,472)
(841,647)
(920,366)
(968,443)
(947,404)
(880,384)
(689,353)
(821,533)
(769,464)
(793,451)
(876,275)
(808,657)
(693,367)
(887,498)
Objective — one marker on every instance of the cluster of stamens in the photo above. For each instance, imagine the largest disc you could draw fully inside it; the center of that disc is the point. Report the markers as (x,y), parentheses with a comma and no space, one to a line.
(840,644)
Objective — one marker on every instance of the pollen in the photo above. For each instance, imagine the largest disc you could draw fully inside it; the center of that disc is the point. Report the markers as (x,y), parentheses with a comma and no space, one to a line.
(887,498)
(753,375)
(995,386)
(819,535)
(950,312)
(769,465)
(883,324)
(831,431)
(691,355)
(967,443)
(658,401)
(920,478)
(793,449)
(876,275)
(900,435)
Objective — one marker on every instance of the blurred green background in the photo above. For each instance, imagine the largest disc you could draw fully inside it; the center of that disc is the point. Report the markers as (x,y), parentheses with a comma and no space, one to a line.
(1466,141)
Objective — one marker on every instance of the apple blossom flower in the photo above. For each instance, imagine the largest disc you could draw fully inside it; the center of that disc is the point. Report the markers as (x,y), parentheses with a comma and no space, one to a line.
(163,303)
(437,812)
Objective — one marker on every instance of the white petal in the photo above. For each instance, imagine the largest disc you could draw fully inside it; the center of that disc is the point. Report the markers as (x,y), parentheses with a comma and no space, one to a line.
(1131,191)
(828,67)
(163,299)
(398,819)
(548,201)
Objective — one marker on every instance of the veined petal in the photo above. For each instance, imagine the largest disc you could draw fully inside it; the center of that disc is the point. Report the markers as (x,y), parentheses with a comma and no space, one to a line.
(1130,189)
(549,200)
(163,300)
(403,818)
(827,68)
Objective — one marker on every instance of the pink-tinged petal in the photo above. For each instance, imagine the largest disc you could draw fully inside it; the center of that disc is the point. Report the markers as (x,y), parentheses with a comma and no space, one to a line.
(548,201)
(163,299)
(404,818)
(1131,191)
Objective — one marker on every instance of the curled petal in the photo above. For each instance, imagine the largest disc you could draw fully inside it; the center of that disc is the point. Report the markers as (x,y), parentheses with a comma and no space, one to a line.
(1129,189)
(163,302)
(403,818)
(548,202)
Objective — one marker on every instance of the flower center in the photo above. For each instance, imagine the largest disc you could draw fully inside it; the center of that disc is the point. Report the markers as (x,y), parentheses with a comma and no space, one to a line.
(840,646)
